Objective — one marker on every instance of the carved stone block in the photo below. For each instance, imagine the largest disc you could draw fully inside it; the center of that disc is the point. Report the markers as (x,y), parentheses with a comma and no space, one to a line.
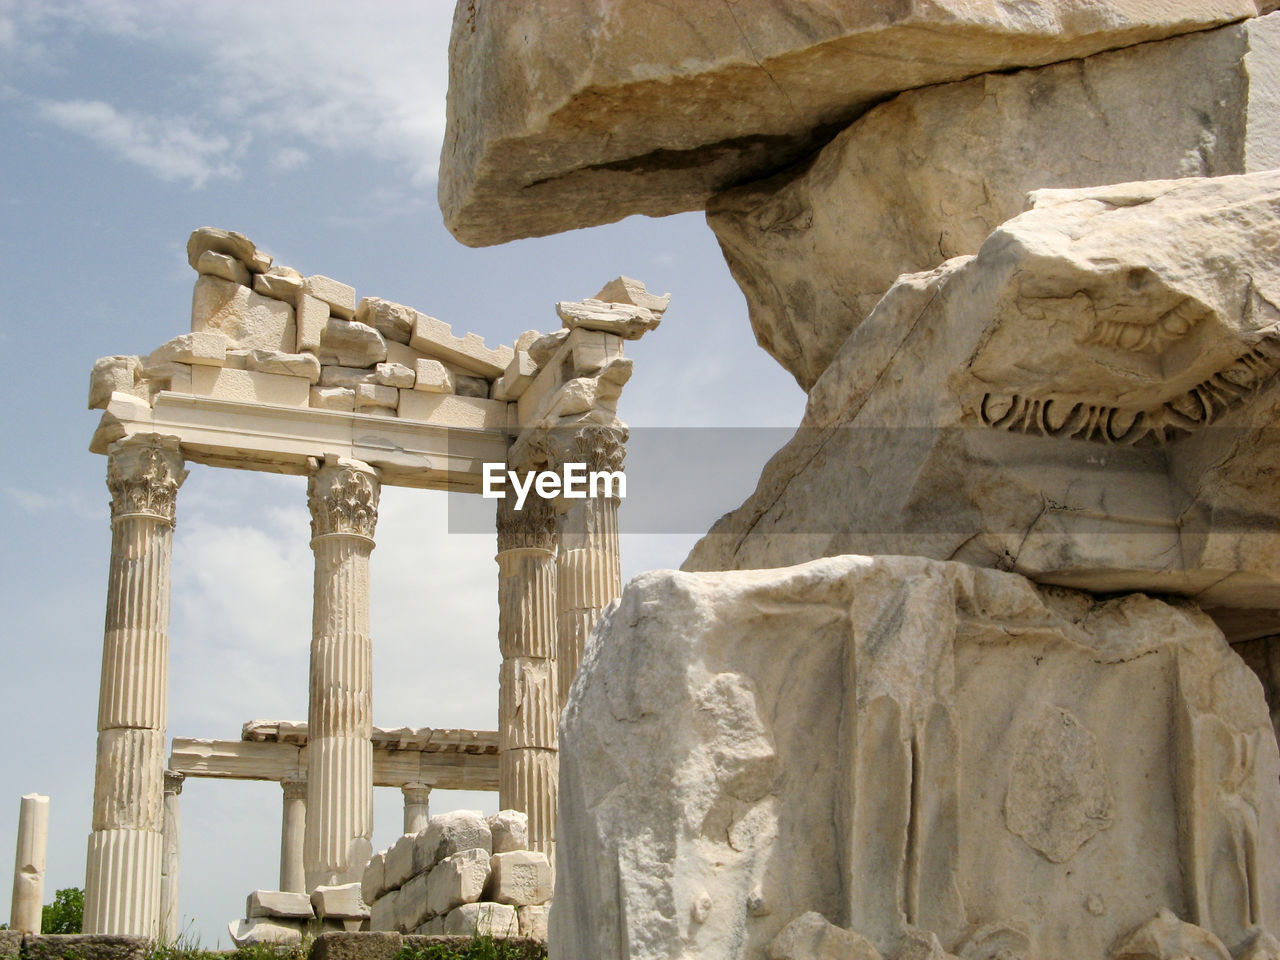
(937,759)
(1088,401)
(929,174)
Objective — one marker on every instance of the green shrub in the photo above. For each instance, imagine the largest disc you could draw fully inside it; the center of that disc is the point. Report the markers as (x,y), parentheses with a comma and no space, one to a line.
(65,914)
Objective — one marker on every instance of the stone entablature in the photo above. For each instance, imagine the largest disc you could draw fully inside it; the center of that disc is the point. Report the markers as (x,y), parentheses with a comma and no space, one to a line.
(280,369)
(446,759)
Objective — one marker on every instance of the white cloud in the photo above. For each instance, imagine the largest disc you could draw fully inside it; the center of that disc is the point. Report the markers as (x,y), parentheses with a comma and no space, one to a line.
(58,501)
(323,75)
(290,158)
(170,147)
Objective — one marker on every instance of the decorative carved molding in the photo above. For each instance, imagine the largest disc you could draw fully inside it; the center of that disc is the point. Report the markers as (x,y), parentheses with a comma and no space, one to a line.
(294,789)
(534,526)
(1153,335)
(1204,404)
(143,475)
(343,497)
(173,782)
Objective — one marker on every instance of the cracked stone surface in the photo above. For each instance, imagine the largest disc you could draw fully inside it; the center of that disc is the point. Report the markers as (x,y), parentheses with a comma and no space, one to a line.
(1087,401)
(944,760)
(570,113)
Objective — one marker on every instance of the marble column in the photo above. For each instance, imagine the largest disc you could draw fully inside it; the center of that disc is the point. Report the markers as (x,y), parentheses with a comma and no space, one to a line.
(588,567)
(169,860)
(293,827)
(28,864)
(417,798)
(343,496)
(527,715)
(122,876)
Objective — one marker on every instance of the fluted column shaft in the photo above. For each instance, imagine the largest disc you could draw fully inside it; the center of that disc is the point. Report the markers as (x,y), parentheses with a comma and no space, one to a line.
(343,496)
(26,908)
(417,800)
(122,881)
(588,567)
(171,856)
(527,714)
(293,826)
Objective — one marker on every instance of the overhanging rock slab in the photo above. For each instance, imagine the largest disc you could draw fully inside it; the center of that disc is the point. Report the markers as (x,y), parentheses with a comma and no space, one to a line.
(571,113)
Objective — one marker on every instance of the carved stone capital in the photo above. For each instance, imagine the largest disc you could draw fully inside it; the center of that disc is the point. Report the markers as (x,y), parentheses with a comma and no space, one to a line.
(173,782)
(143,475)
(533,526)
(416,792)
(294,789)
(599,447)
(343,497)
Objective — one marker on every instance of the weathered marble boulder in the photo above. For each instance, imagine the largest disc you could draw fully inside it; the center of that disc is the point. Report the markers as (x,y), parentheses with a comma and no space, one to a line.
(569,113)
(913,749)
(1088,401)
(929,174)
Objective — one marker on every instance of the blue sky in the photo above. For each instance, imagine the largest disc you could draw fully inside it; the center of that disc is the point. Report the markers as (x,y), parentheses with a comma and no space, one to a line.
(314,128)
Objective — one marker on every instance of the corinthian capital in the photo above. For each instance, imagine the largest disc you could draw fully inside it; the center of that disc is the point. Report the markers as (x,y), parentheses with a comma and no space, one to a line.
(343,497)
(532,526)
(599,447)
(143,475)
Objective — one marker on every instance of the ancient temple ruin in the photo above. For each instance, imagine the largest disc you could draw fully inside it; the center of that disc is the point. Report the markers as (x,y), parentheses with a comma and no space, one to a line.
(963,678)
(290,374)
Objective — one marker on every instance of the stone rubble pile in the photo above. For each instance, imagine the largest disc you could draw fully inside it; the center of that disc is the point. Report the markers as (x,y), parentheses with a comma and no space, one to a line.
(463,875)
(282,916)
(263,333)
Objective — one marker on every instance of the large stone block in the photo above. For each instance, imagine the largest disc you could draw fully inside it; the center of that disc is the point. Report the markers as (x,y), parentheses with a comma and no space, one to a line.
(482,920)
(374,882)
(278,903)
(509,830)
(101,946)
(356,946)
(521,878)
(383,912)
(249,386)
(351,344)
(912,749)
(435,338)
(446,409)
(570,113)
(111,375)
(399,862)
(457,879)
(229,243)
(340,901)
(246,933)
(533,921)
(928,175)
(1088,401)
(250,320)
(411,904)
